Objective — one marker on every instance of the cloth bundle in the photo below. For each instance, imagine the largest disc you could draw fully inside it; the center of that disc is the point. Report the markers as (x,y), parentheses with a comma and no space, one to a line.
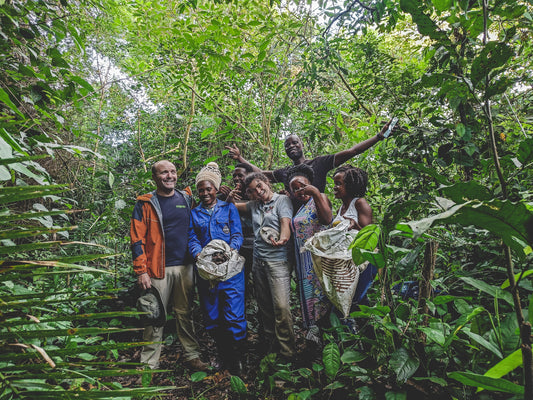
(218,261)
(333,264)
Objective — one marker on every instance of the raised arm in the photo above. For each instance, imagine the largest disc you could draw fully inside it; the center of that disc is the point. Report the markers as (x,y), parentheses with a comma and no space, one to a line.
(322,203)
(323,208)
(342,156)
(235,153)
(235,198)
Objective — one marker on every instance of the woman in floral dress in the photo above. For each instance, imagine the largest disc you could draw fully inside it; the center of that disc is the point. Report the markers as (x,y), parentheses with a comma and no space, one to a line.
(313,216)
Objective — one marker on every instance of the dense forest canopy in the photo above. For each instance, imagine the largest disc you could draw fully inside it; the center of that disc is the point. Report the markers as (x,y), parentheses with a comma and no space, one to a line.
(93,92)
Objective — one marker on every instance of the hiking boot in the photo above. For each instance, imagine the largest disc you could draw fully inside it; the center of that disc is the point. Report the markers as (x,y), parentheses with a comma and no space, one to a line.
(196,364)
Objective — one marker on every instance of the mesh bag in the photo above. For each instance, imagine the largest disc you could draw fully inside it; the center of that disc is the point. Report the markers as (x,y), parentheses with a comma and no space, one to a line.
(333,264)
(218,262)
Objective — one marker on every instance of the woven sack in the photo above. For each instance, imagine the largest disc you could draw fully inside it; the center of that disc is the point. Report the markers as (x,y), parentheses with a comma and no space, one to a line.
(333,264)
(213,272)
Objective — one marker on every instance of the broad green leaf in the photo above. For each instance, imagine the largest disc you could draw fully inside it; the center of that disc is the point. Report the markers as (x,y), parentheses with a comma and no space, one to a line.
(463,191)
(436,335)
(442,5)
(485,382)
(520,275)
(374,258)
(366,239)
(8,141)
(494,291)
(111,179)
(4,98)
(508,364)
(5,175)
(493,55)
(525,151)
(72,351)
(62,332)
(352,356)
(403,364)
(434,379)
(23,248)
(499,87)
(18,193)
(391,395)
(366,393)
(49,393)
(198,376)
(334,385)
(504,219)
(237,385)
(332,359)
(12,160)
(432,172)
(80,317)
(483,342)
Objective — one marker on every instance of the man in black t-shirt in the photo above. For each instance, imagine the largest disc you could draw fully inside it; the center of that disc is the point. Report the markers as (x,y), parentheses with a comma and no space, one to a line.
(321,165)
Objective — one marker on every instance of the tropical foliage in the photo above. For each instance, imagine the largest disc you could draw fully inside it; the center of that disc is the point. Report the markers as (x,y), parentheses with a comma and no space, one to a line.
(91,93)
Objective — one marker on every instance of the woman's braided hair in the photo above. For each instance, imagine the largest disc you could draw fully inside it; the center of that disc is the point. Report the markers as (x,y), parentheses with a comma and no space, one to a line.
(300,170)
(355,180)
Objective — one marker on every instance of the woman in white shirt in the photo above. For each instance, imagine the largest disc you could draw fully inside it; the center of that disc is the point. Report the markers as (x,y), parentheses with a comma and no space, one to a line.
(350,186)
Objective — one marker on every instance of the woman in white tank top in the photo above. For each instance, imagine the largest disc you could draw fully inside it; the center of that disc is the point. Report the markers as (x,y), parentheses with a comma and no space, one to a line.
(350,186)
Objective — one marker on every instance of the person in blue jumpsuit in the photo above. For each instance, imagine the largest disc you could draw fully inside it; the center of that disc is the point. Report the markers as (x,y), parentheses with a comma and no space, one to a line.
(223,303)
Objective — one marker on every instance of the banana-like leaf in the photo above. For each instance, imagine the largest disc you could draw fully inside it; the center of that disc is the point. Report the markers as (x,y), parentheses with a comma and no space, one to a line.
(483,342)
(79,317)
(88,365)
(520,275)
(39,334)
(13,160)
(508,364)
(26,233)
(494,291)
(23,248)
(34,214)
(74,351)
(30,303)
(509,221)
(13,194)
(485,382)
(93,394)
(65,373)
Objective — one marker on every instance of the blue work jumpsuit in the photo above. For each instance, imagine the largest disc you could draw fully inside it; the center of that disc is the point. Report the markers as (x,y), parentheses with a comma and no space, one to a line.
(223,304)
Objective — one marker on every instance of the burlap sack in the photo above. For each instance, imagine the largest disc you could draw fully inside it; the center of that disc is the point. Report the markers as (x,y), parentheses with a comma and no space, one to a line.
(333,264)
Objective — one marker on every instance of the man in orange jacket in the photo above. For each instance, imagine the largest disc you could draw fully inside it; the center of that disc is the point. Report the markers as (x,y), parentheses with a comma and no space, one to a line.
(161,260)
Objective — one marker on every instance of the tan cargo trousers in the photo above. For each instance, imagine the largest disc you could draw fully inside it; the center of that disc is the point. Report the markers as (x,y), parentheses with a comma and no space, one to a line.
(176,288)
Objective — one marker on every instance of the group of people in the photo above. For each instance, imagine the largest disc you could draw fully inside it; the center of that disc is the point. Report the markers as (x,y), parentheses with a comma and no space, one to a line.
(269,229)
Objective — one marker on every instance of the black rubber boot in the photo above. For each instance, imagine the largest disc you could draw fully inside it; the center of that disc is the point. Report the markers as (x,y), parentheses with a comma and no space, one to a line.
(236,357)
(223,348)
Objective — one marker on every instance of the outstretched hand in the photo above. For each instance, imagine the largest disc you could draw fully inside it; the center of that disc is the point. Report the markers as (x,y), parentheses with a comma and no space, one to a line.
(234,152)
(224,191)
(234,195)
(381,133)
